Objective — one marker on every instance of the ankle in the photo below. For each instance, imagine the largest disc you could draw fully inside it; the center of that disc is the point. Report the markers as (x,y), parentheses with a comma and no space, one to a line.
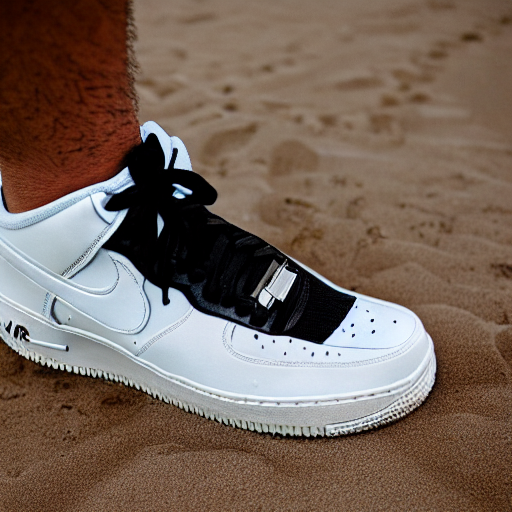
(42,177)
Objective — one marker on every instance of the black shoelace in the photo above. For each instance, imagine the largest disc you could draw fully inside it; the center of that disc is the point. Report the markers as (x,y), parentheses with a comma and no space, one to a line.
(215,263)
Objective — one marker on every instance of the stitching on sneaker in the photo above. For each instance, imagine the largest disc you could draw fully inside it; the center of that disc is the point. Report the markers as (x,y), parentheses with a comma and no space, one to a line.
(165,332)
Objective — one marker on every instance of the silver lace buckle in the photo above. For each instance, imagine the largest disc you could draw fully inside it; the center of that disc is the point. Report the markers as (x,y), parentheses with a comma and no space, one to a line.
(274,285)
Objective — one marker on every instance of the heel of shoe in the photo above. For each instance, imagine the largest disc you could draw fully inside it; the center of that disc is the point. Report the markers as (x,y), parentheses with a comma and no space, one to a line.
(35,338)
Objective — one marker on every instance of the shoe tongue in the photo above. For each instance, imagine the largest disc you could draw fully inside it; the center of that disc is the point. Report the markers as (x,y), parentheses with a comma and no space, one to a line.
(167,144)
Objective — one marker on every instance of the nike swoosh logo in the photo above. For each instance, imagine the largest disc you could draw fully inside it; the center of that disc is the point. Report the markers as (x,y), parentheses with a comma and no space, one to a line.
(123,306)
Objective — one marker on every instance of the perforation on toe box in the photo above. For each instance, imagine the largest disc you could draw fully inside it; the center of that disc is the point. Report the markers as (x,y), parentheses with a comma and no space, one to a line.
(373,325)
(284,350)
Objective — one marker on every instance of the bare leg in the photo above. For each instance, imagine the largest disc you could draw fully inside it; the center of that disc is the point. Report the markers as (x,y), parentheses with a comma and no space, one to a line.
(67,105)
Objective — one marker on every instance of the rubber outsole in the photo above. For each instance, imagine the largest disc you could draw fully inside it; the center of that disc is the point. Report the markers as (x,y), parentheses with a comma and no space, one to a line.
(411,398)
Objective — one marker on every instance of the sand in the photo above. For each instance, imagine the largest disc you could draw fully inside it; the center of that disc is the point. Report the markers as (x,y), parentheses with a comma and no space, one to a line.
(373,141)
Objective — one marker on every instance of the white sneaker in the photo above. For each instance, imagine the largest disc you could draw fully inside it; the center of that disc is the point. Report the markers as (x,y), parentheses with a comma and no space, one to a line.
(134,280)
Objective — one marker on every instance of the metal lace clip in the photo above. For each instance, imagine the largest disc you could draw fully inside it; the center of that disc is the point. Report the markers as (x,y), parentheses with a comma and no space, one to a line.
(275,284)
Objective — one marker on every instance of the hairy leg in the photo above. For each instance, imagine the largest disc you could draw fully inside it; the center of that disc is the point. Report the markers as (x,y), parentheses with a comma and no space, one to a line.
(67,104)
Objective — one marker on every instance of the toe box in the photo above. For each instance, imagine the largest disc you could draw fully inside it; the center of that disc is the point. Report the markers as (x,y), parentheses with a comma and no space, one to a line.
(374,324)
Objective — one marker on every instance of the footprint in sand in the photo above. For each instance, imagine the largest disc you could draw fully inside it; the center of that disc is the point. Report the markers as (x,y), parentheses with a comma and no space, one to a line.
(471,37)
(226,141)
(292,156)
(281,210)
(11,392)
(409,76)
(504,344)
(419,98)
(441,5)
(355,80)
(389,100)
(377,129)
(200,17)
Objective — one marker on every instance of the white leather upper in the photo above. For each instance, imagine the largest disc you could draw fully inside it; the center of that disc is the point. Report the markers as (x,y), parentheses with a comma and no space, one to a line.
(157,316)
(122,307)
(77,227)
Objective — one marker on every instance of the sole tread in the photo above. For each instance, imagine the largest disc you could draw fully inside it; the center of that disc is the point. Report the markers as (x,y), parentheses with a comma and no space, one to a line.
(398,409)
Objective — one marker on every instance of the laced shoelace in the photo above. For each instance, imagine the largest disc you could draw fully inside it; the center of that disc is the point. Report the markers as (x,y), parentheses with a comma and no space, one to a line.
(194,247)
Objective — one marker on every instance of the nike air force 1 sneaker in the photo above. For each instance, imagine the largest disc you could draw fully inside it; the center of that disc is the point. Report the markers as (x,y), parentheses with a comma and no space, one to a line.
(136,281)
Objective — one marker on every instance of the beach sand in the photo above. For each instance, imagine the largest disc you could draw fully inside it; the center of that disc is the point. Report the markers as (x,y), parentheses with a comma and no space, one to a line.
(373,141)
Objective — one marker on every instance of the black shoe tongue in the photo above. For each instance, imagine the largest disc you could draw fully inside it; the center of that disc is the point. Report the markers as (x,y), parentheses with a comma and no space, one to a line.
(319,310)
